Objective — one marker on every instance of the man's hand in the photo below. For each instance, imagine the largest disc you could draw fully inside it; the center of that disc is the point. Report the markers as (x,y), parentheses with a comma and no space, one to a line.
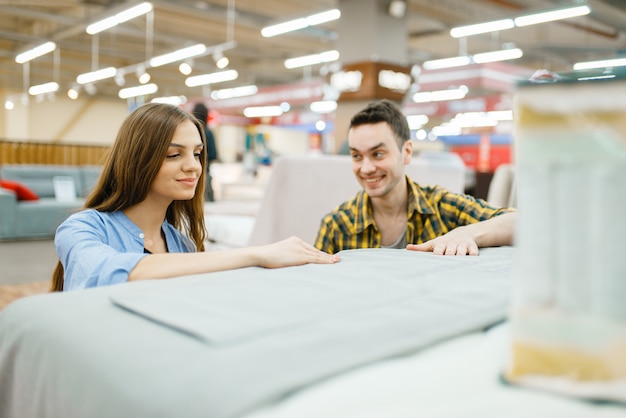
(456,242)
(465,240)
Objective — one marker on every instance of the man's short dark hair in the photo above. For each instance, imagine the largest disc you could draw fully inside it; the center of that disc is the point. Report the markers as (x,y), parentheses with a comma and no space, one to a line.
(384,111)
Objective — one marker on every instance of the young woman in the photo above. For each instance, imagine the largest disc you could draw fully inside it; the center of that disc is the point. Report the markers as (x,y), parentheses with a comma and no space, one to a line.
(145,217)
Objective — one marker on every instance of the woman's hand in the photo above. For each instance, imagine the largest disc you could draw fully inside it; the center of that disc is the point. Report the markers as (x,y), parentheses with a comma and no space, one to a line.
(292,252)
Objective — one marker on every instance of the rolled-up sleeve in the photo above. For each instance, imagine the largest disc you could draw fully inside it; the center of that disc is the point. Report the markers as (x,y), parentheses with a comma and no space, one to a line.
(95,252)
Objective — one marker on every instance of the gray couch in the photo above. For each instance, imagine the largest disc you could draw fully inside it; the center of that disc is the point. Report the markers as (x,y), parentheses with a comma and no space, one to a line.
(20,219)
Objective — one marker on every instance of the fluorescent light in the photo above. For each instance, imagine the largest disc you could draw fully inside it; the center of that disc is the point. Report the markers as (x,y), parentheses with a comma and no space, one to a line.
(472,120)
(284,27)
(201,80)
(525,20)
(617,62)
(262,111)
(98,75)
(447,62)
(551,15)
(440,95)
(323,17)
(324,106)
(301,23)
(234,92)
(121,17)
(501,114)
(597,77)
(492,26)
(178,55)
(138,91)
(9,105)
(416,121)
(43,88)
(35,52)
(502,55)
(445,130)
(173,100)
(303,61)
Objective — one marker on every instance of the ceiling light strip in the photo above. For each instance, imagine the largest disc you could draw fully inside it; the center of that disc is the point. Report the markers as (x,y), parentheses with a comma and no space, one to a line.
(481,58)
(478,28)
(323,106)
(502,55)
(230,93)
(97,75)
(262,111)
(313,59)
(43,88)
(121,17)
(301,23)
(552,15)
(524,20)
(179,55)
(440,95)
(447,62)
(35,52)
(588,65)
(218,77)
(138,91)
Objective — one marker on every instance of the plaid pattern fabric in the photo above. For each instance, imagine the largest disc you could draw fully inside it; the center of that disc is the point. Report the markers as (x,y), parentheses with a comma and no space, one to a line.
(432,211)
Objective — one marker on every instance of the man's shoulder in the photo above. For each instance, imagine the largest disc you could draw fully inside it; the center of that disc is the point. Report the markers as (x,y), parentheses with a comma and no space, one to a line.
(428,191)
(347,207)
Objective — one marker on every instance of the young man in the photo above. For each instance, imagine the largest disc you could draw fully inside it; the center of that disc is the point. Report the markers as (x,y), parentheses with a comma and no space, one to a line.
(395,212)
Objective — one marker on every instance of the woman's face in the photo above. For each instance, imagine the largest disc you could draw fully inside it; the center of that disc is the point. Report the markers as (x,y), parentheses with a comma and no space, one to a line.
(179,174)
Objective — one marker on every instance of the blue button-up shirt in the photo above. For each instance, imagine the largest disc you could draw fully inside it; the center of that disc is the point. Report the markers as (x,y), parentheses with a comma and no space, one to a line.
(102,248)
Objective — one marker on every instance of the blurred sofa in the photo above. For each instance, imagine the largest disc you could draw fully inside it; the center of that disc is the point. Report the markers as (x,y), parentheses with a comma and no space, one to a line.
(29,207)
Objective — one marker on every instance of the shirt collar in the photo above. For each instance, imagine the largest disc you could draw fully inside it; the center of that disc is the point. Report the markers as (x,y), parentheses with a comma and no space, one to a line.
(418,203)
(364,217)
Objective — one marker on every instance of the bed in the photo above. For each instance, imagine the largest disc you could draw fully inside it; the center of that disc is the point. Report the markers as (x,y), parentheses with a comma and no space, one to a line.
(382,333)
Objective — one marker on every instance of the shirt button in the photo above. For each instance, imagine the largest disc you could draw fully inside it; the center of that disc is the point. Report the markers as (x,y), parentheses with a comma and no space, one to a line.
(141,236)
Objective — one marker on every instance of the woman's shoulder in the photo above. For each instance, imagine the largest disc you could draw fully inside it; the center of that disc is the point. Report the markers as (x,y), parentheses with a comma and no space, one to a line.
(96,218)
(90,215)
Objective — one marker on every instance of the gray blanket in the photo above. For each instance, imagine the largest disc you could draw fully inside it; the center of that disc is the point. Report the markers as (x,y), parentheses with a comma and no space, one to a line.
(222,344)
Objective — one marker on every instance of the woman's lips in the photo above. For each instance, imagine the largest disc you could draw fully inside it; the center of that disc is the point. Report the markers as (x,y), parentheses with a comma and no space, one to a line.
(189,182)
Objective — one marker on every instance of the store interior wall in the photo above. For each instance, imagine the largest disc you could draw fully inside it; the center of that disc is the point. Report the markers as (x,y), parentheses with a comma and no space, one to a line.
(96,122)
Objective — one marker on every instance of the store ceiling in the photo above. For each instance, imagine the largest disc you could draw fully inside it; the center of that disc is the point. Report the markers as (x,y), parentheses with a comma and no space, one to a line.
(176,24)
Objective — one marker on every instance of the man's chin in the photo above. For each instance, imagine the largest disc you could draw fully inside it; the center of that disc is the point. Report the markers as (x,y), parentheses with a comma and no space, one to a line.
(374,191)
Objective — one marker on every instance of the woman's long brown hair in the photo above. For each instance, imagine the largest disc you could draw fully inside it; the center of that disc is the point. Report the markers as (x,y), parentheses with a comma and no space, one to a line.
(131,165)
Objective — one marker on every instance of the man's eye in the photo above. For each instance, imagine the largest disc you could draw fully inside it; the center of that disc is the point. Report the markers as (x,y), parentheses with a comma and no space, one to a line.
(355,156)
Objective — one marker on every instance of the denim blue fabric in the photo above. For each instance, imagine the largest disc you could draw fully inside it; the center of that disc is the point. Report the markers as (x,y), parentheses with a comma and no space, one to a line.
(102,248)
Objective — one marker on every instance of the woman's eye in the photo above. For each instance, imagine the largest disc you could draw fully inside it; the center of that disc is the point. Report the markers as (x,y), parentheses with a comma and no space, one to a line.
(197,154)
(173,155)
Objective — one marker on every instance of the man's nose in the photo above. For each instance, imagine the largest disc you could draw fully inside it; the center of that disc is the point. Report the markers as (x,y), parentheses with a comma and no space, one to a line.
(367,165)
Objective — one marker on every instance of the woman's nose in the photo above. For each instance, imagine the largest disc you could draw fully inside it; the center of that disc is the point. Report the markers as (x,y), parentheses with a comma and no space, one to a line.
(192,163)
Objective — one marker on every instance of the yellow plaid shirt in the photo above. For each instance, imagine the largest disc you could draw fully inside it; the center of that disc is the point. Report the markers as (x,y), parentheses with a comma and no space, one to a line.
(432,211)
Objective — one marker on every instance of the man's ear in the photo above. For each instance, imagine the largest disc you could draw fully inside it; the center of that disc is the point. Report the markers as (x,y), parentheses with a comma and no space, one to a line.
(407,152)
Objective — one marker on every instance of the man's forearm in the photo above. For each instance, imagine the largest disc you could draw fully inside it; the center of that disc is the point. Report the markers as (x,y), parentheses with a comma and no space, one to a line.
(496,231)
